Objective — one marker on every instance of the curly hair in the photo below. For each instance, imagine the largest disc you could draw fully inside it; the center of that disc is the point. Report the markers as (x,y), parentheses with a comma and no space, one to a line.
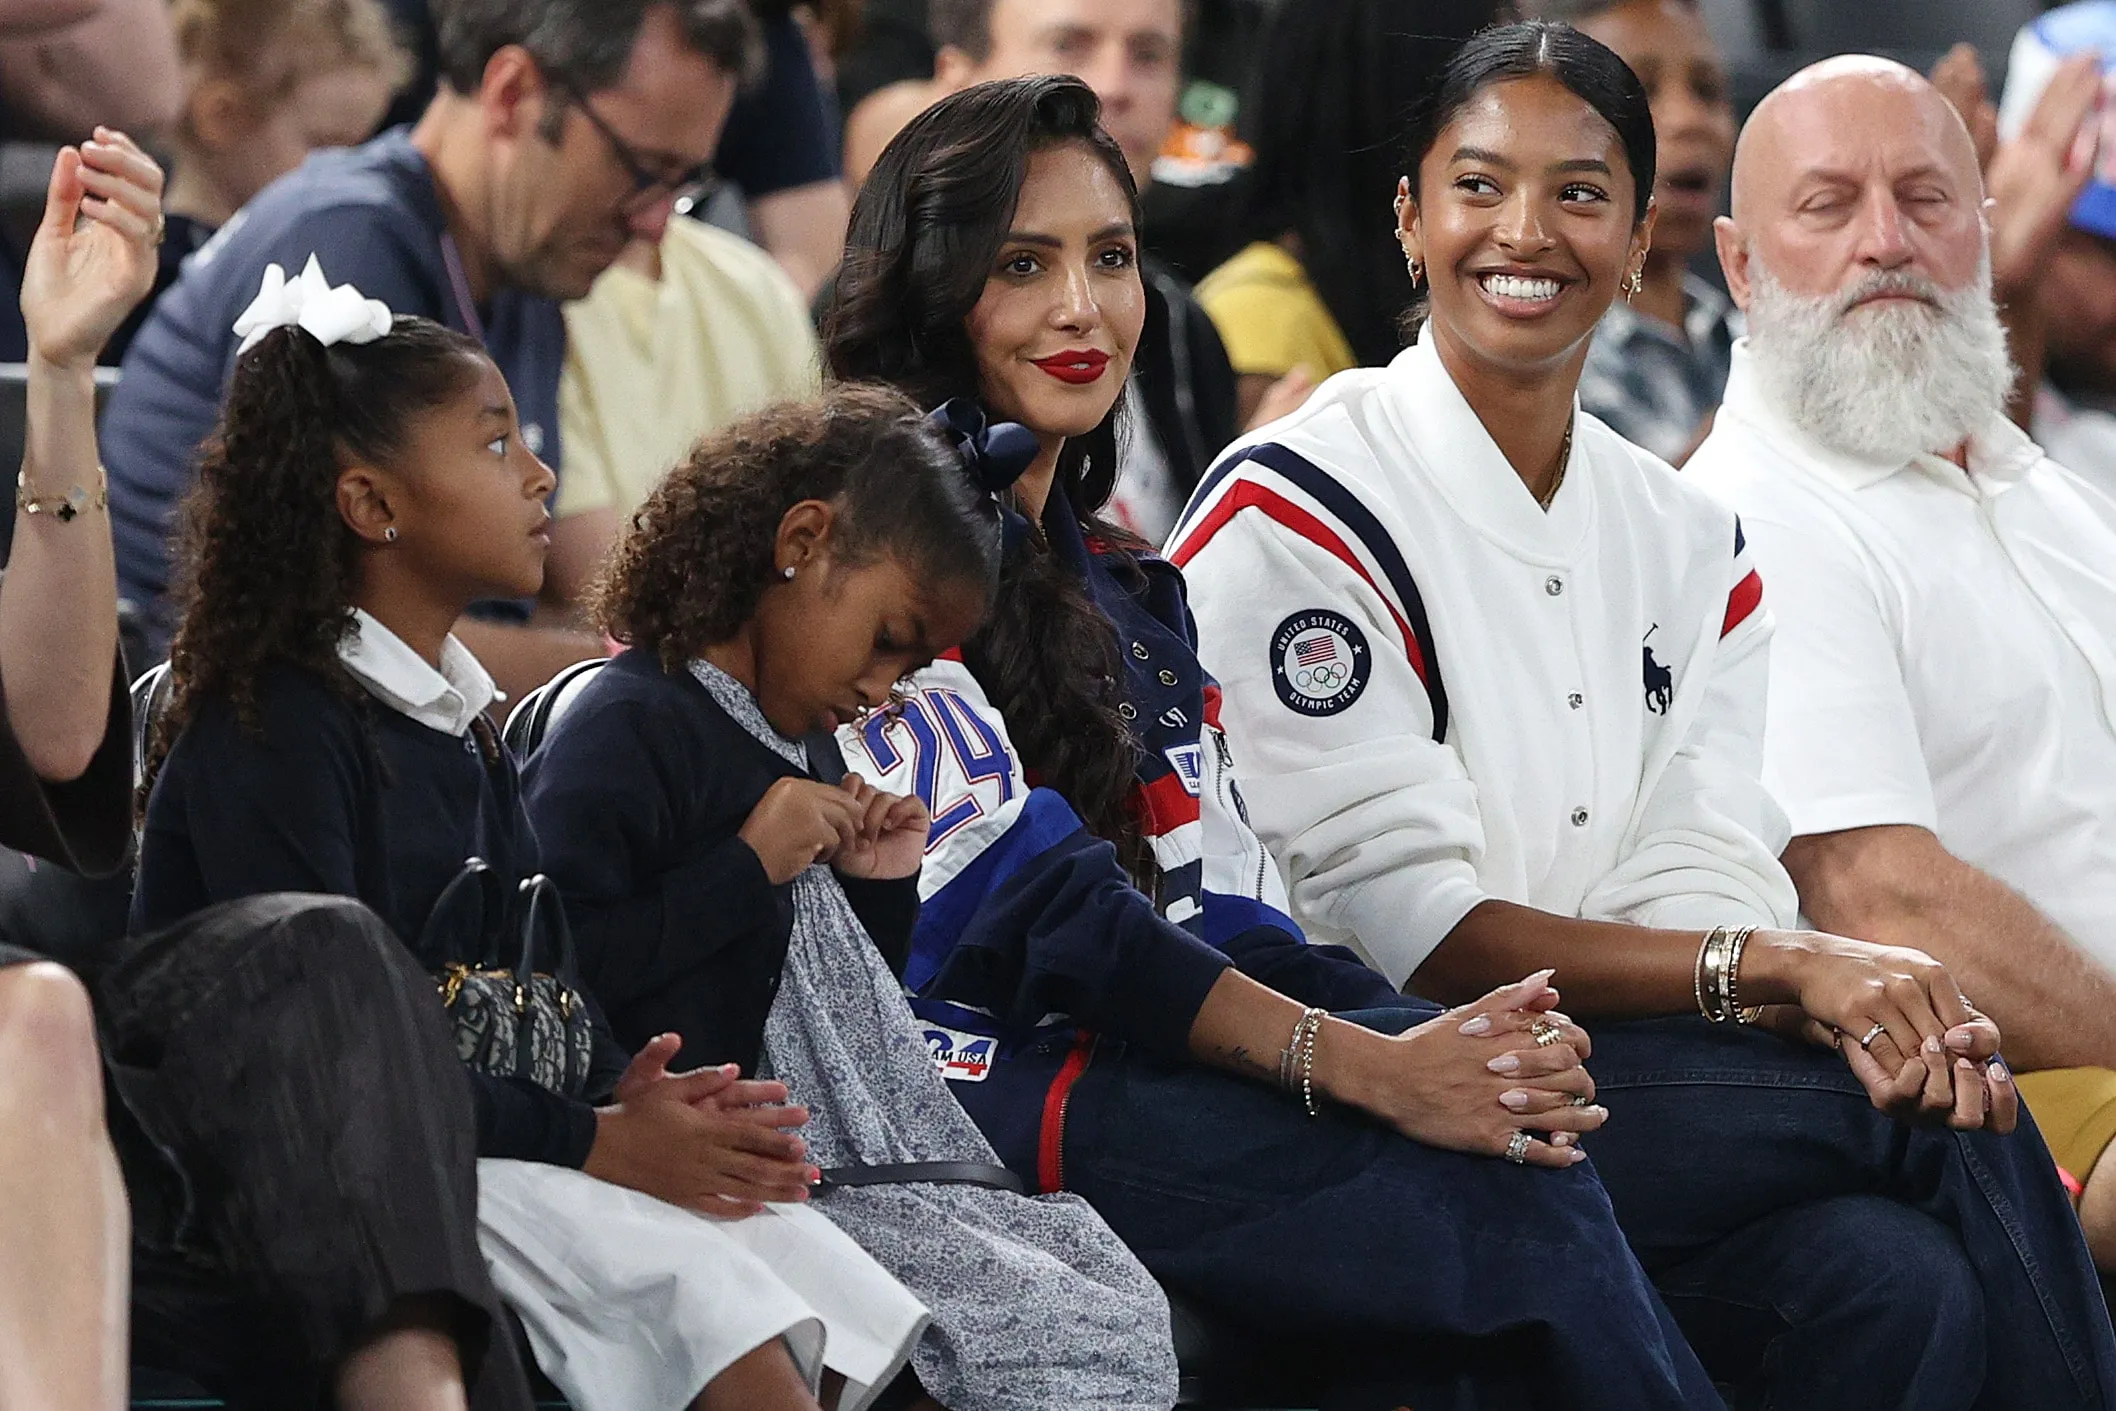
(266,568)
(697,556)
(926,231)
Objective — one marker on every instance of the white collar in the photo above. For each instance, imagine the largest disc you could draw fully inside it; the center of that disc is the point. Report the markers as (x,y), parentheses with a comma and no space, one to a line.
(2000,453)
(447,700)
(1432,416)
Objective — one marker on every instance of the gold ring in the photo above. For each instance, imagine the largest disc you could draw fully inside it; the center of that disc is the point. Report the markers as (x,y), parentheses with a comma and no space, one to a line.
(1546,1033)
(1871,1034)
(1579,1100)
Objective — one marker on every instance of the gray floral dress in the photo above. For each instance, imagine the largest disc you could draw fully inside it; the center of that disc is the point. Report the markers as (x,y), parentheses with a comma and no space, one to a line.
(1036,1304)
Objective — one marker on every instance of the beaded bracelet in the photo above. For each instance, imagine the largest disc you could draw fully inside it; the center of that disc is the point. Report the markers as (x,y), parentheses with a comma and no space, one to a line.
(1296,1062)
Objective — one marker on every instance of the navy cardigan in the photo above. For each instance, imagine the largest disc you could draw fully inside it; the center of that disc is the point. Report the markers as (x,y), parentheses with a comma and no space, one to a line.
(639,792)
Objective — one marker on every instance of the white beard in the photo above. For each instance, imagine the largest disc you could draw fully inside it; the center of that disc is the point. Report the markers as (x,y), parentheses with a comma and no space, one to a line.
(1886,382)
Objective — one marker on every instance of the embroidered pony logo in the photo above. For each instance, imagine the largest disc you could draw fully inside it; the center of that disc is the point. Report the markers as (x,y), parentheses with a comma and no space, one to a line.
(1660,682)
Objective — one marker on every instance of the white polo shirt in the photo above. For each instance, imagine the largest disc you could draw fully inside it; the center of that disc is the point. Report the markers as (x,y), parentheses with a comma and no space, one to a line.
(1946,648)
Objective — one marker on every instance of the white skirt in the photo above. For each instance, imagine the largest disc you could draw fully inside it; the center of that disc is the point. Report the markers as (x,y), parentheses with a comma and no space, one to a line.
(633,1304)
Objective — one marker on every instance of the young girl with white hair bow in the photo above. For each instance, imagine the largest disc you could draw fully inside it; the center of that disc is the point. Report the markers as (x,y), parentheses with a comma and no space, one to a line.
(350,1186)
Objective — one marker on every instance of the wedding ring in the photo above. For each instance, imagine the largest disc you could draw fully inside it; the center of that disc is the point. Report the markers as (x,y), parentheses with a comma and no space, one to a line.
(1579,1100)
(1517,1148)
(1871,1034)
(1546,1033)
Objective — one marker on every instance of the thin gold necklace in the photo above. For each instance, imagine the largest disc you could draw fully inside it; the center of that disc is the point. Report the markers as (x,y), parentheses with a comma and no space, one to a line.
(1564,459)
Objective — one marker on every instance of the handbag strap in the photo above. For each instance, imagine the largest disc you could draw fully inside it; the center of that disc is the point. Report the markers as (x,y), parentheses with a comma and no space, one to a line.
(936,1173)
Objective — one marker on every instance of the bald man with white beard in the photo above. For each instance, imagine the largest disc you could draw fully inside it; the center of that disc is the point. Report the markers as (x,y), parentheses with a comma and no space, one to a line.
(1941,727)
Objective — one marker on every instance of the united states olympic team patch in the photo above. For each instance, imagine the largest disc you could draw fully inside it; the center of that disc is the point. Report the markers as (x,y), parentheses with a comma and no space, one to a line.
(1319,662)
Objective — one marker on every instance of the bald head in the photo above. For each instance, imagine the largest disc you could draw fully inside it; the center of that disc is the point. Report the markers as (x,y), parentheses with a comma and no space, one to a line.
(1853,165)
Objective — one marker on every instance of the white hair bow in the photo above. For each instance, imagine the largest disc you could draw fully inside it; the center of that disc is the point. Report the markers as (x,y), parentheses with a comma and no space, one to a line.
(329,315)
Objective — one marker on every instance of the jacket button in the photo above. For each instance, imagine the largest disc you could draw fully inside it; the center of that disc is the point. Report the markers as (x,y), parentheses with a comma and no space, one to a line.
(1168,678)
(1579,818)
(1554,585)
(1575,700)
(1125,709)
(1138,649)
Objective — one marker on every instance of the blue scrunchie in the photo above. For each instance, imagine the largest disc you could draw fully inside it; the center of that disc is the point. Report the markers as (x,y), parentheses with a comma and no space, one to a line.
(995,455)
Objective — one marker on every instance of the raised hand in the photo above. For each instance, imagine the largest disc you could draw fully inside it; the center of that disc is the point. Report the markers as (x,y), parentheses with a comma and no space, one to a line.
(892,834)
(93,258)
(2035,176)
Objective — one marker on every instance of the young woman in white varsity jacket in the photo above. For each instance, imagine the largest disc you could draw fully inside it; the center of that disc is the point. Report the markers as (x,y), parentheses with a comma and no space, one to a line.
(1499,678)
(1103,955)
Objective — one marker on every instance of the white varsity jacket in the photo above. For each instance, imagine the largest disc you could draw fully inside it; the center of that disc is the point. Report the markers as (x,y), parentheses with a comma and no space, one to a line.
(1444,694)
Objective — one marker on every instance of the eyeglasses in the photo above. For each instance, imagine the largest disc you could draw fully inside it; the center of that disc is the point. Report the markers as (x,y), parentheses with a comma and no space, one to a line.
(689,186)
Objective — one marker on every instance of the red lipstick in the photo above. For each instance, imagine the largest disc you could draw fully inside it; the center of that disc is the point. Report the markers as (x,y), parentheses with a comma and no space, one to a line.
(1076,366)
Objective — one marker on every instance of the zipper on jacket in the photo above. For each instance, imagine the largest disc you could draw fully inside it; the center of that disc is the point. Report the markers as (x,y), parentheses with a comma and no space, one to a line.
(1231,796)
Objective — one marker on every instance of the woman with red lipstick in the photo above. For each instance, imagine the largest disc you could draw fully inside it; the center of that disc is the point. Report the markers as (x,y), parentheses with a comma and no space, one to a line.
(1659,361)
(1103,963)
(1500,675)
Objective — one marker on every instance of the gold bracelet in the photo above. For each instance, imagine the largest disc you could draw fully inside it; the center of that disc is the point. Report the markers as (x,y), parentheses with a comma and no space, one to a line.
(67,507)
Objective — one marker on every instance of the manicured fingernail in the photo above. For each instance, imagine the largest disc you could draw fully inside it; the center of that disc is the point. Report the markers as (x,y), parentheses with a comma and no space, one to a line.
(1514,1098)
(1479,1025)
(1542,977)
(2000,1072)
(1961,1039)
(1504,1063)
(1562,1139)
(1575,1156)
(1932,1044)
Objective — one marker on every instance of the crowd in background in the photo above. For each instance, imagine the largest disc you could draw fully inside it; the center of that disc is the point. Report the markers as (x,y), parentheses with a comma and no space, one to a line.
(664,294)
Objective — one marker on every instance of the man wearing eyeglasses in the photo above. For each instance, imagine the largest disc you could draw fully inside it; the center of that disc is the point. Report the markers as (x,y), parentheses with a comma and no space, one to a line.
(563,131)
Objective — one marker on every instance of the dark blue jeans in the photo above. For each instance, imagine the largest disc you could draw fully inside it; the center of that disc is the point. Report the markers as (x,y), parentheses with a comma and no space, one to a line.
(1869,1263)
(1343,1232)
(1806,1244)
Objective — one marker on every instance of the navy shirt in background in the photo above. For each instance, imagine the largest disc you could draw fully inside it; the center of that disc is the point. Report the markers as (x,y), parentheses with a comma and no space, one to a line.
(373,217)
(783,133)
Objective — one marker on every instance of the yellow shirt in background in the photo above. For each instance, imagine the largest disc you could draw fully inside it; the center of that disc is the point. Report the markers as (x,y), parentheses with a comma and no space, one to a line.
(1270,316)
(653,365)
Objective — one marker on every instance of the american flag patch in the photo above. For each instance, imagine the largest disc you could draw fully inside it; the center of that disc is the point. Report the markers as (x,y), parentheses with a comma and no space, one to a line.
(1315,650)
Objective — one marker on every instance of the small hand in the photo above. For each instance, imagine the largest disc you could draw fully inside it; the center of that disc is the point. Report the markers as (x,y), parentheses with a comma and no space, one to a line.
(93,258)
(689,1138)
(799,823)
(892,833)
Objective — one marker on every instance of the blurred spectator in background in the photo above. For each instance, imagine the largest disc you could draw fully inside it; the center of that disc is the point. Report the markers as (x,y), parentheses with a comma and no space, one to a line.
(781,151)
(1659,360)
(268,81)
(1182,392)
(1318,286)
(563,130)
(66,66)
(779,148)
(2071,289)
(677,340)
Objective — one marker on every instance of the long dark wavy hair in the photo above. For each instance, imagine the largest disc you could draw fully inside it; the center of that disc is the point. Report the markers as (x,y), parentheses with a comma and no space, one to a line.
(697,556)
(926,233)
(266,568)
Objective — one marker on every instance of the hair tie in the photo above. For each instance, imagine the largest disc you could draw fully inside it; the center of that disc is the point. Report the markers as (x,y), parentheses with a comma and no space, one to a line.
(329,315)
(995,455)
